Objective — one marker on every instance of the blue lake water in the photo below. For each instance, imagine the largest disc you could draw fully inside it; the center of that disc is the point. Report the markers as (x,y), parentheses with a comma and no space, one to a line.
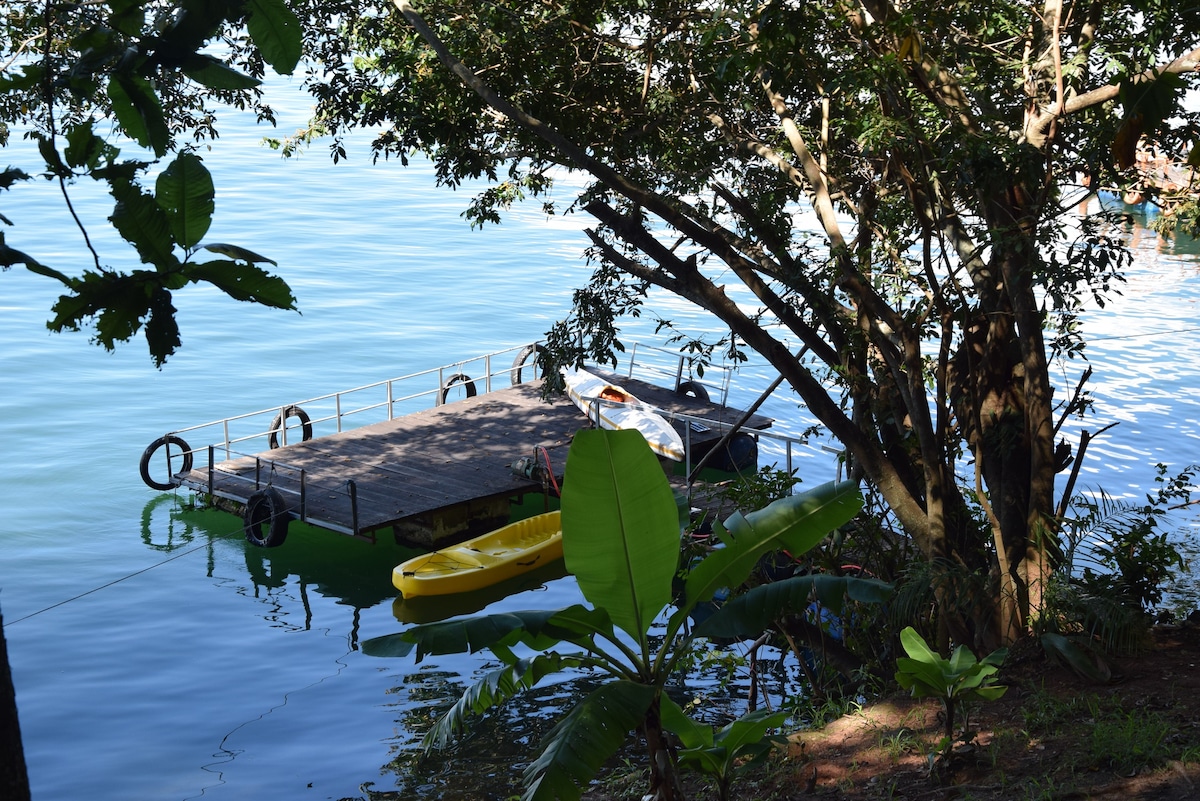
(157,655)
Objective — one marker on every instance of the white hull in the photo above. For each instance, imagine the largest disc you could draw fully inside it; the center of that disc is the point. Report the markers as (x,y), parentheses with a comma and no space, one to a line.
(584,389)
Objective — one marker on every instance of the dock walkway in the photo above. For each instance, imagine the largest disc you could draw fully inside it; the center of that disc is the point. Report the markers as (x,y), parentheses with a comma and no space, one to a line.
(436,475)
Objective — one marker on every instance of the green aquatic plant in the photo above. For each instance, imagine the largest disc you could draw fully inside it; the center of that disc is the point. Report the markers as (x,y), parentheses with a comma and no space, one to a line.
(621,541)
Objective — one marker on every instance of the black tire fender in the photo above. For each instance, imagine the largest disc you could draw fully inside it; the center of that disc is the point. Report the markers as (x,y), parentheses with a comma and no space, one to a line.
(539,355)
(281,418)
(266,507)
(693,388)
(148,454)
(458,378)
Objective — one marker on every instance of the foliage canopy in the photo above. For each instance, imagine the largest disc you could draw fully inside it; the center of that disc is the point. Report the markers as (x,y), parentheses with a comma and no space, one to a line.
(877,198)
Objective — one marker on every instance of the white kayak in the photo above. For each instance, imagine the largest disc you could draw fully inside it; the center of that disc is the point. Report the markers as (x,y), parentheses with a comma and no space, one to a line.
(615,408)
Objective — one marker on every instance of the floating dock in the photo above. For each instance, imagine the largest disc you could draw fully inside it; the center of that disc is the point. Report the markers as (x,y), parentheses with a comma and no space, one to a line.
(433,476)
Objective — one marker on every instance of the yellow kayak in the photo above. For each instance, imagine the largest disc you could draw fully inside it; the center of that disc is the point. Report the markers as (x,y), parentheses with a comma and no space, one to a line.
(483,561)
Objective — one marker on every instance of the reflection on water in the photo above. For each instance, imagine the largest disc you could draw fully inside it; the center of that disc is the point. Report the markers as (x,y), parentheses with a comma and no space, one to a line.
(432,608)
(1140,236)
(352,573)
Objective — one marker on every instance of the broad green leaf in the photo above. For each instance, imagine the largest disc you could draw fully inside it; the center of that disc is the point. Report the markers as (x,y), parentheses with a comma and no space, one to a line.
(581,742)
(689,732)
(750,613)
(128,16)
(922,678)
(54,162)
(29,76)
(492,690)
(84,148)
(139,112)
(185,192)
(10,175)
(990,693)
(961,659)
(1081,659)
(142,222)
(216,74)
(243,282)
(796,523)
(239,253)
(389,645)
(276,32)
(472,634)
(916,647)
(162,327)
(620,527)
(749,729)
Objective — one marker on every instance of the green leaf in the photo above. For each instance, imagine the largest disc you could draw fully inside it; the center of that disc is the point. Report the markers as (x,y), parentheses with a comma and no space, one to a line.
(916,647)
(389,646)
(142,222)
(139,112)
(1082,660)
(620,527)
(185,192)
(216,74)
(27,77)
(751,612)
(243,282)
(543,627)
(796,523)
(162,328)
(10,175)
(276,32)
(689,732)
(493,689)
(54,162)
(84,148)
(581,742)
(239,253)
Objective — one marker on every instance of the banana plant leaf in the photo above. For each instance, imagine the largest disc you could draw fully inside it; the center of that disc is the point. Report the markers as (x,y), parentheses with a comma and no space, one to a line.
(796,523)
(580,743)
(748,614)
(493,689)
(620,527)
(539,629)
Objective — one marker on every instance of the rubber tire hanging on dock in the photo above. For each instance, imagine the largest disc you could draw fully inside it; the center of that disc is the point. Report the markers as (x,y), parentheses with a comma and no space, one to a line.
(693,388)
(458,378)
(539,361)
(281,419)
(148,454)
(266,508)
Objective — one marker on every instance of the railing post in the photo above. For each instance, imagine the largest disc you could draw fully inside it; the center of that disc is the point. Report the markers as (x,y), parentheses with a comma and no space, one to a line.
(337,405)
(210,470)
(390,401)
(225,425)
(303,496)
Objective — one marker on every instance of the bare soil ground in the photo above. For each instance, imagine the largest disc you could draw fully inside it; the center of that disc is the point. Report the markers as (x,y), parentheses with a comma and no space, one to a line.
(1051,736)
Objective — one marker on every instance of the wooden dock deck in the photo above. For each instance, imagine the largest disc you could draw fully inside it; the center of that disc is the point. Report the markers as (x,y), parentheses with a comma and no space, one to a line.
(436,476)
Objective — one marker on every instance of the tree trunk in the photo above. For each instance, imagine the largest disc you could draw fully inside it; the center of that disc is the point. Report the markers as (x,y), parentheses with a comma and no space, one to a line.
(14,780)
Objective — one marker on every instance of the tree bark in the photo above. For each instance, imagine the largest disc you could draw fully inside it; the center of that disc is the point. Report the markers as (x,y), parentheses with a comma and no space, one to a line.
(14,780)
